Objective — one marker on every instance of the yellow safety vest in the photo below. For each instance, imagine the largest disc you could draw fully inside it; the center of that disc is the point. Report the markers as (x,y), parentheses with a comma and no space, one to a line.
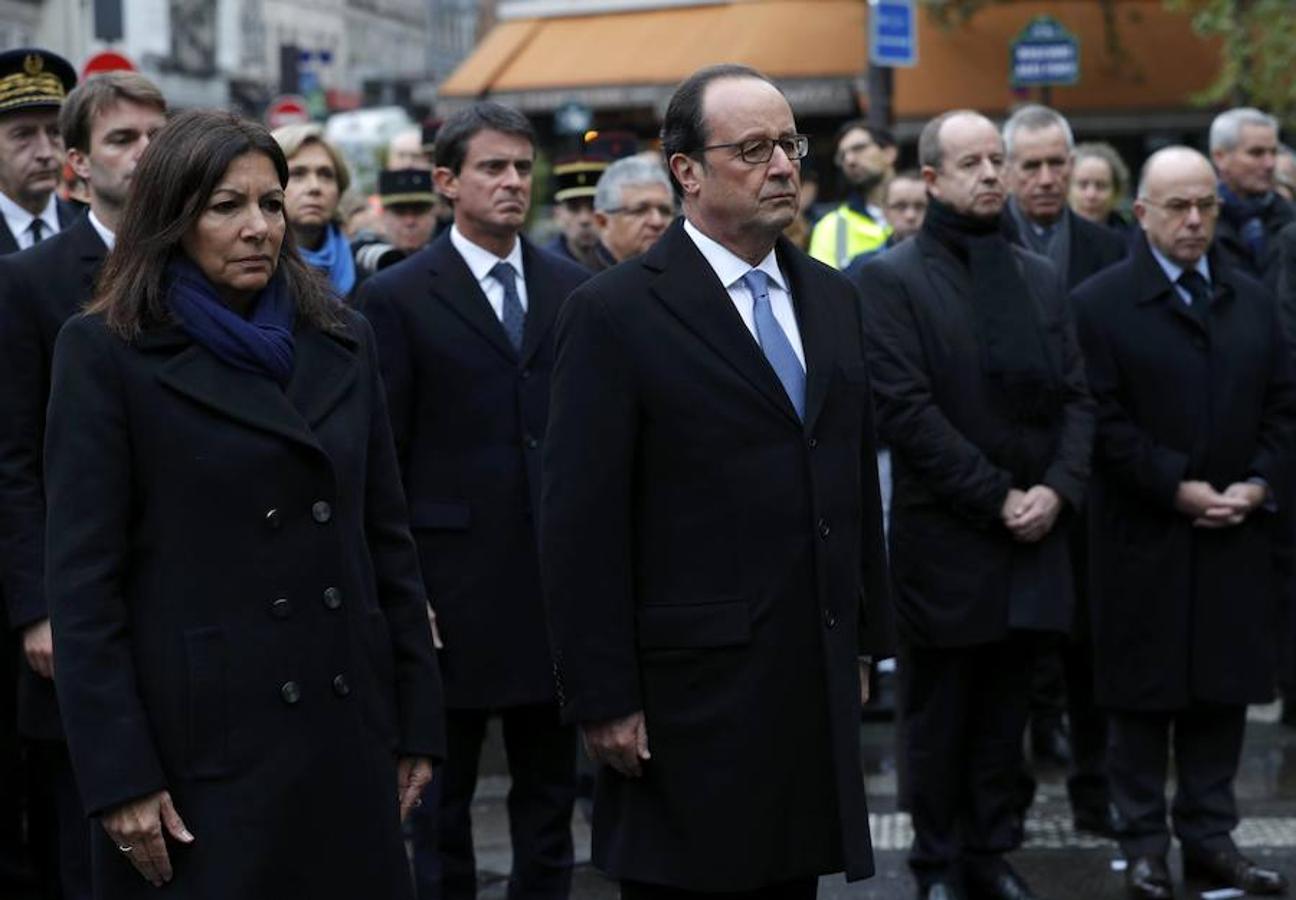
(844,234)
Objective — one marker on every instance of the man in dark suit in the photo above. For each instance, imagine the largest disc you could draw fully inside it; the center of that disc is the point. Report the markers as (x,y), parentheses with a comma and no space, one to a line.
(981,397)
(1041,149)
(464,330)
(106,122)
(31,154)
(1192,456)
(712,545)
(31,150)
(1244,150)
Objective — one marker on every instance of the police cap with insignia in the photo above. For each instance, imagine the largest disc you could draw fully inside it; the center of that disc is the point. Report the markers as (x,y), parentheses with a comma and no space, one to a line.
(31,78)
(576,178)
(397,186)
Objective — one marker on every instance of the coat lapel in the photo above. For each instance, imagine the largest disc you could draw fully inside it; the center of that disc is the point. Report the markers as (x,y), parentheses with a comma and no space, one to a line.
(453,284)
(542,302)
(323,371)
(1155,287)
(816,326)
(89,250)
(688,286)
(8,243)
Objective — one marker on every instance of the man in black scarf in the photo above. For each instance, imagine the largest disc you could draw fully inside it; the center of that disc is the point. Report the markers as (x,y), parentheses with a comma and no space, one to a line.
(981,395)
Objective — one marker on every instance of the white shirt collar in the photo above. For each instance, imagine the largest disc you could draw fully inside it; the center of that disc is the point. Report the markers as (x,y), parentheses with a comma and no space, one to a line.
(480,260)
(728,266)
(19,219)
(108,237)
(1173,270)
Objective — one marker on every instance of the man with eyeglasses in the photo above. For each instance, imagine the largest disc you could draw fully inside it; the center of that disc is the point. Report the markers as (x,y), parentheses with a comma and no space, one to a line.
(710,535)
(866,157)
(981,398)
(633,204)
(1192,463)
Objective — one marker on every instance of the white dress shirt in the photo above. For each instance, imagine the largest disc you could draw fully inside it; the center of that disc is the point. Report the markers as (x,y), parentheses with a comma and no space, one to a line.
(19,220)
(108,237)
(480,262)
(730,269)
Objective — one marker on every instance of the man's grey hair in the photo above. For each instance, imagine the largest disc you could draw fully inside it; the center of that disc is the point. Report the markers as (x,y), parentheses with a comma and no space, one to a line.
(1226,130)
(1034,117)
(633,170)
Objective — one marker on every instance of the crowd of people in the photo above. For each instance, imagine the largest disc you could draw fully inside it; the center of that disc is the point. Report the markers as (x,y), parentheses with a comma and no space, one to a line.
(298,492)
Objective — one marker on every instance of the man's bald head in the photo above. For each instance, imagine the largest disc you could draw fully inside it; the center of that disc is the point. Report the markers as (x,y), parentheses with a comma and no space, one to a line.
(1178,204)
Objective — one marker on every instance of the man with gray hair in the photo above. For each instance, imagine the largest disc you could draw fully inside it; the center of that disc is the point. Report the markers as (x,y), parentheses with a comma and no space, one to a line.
(633,205)
(1040,149)
(1244,149)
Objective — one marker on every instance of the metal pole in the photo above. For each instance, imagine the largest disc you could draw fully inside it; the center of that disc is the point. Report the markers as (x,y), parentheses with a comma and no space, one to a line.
(880,86)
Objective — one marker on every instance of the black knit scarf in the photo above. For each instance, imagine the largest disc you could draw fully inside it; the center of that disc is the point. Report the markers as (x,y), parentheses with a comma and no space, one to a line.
(1015,356)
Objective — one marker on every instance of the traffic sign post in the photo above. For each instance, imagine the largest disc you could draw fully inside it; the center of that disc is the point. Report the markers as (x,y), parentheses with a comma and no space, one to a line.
(1045,54)
(287,109)
(893,33)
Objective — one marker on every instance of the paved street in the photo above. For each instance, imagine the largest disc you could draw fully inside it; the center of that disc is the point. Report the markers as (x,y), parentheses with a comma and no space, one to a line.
(1060,864)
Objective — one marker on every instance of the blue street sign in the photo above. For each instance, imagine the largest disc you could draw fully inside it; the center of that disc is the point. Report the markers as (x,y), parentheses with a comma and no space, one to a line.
(1045,53)
(893,33)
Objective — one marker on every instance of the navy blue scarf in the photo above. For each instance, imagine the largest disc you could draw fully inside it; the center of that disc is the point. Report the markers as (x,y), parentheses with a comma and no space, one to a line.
(334,257)
(1247,215)
(261,343)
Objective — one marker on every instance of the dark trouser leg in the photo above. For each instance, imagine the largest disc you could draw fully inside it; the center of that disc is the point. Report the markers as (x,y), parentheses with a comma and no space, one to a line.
(1087,784)
(1000,702)
(1137,757)
(542,764)
(1208,746)
(15,874)
(801,889)
(933,705)
(57,823)
(452,842)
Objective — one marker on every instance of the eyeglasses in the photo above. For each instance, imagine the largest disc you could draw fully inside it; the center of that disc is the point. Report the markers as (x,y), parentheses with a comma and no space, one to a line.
(641,211)
(761,150)
(1178,206)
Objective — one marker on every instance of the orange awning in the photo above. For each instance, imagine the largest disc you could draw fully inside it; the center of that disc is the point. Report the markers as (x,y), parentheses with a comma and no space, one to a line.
(817,49)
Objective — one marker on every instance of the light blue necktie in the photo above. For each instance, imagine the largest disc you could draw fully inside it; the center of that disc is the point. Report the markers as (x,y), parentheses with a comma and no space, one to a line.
(774,341)
(514,318)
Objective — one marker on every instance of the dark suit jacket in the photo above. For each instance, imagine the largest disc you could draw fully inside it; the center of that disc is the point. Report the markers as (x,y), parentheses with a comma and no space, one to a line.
(1230,247)
(67,214)
(960,577)
(713,561)
(237,608)
(469,416)
(1183,614)
(1093,248)
(39,289)
(1286,242)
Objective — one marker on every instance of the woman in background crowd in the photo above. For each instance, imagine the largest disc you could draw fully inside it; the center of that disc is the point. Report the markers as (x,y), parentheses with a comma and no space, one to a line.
(1099,184)
(317,178)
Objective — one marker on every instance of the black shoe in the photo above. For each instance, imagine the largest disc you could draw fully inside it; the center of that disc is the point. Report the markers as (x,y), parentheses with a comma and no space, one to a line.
(939,890)
(1148,878)
(1228,868)
(996,881)
(1051,745)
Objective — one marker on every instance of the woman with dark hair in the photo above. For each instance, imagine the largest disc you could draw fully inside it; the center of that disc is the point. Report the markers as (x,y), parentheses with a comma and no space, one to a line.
(241,641)
(317,178)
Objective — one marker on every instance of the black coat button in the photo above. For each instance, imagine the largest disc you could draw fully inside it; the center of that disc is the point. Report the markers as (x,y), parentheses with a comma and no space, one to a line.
(291,692)
(813,442)
(526,373)
(332,598)
(830,620)
(321,511)
(341,686)
(531,442)
(824,530)
(281,608)
(273,519)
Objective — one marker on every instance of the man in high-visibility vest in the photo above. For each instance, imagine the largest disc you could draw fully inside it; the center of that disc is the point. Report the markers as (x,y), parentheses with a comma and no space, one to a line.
(866,157)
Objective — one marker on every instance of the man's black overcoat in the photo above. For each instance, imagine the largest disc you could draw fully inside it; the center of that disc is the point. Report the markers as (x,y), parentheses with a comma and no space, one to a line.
(237,608)
(39,289)
(960,577)
(713,561)
(1183,614)
(469,416)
